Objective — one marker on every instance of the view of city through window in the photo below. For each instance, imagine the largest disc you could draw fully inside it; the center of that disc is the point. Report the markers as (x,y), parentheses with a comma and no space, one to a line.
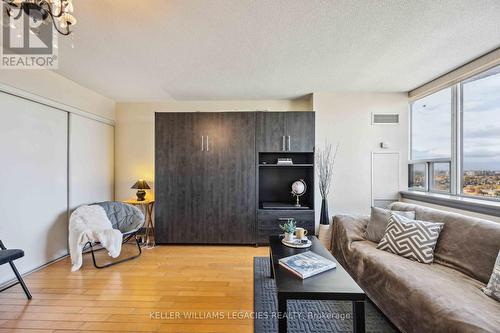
(431,128)
(417,176)
(481,134)
(441,177)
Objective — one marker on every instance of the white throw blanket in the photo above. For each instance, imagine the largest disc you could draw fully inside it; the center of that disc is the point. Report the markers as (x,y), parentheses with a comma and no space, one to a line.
(90,223)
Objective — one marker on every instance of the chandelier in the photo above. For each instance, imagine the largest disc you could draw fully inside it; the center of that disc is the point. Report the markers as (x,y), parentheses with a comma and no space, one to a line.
(58,11)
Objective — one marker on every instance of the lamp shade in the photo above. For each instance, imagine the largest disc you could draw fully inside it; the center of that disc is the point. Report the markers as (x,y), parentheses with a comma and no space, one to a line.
(141,185)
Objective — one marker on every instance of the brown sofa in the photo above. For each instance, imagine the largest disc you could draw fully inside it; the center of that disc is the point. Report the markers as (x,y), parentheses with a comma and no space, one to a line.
(445,296)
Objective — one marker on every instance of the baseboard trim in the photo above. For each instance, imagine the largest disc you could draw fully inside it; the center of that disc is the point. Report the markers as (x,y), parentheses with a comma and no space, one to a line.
(13,282)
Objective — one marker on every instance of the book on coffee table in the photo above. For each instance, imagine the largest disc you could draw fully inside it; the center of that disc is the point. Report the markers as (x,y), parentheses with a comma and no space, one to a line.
(307,264)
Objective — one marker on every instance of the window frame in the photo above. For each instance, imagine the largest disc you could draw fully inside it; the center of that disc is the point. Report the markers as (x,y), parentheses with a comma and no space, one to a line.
(426,170)
(431,176)
(429,171)
(457,137)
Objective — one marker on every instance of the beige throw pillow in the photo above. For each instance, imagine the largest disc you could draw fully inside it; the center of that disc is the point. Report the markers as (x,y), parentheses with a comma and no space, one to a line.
(379,218)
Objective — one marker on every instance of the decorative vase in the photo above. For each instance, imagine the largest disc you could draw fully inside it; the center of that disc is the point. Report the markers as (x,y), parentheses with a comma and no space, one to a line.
(323,218)
(325,232)
(325,236)
(288,236)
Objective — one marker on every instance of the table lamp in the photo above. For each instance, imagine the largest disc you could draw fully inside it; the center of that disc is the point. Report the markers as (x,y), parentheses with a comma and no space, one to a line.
(141,186)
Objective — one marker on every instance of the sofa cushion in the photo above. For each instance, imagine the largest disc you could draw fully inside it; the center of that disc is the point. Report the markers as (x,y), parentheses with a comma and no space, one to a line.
(493,287)
(379,218)
(422,298)
(467,244)
(411,239)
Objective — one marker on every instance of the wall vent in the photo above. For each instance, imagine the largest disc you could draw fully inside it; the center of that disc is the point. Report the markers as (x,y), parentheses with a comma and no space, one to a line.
(385,118)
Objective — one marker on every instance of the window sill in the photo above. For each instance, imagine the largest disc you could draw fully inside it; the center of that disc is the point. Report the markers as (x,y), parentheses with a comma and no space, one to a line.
(486,207)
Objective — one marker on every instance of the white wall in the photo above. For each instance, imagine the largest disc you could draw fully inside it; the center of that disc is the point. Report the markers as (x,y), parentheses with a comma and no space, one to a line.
(345,118)
(135,133)
(33,199)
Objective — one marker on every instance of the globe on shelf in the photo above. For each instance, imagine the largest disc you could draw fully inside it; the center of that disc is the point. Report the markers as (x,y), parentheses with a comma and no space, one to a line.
(299,187)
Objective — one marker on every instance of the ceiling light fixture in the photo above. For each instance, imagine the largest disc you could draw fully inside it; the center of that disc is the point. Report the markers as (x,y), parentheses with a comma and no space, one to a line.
(59,11)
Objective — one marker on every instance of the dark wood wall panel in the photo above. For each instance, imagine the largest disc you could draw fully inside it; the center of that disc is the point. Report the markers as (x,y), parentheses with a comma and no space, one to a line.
(205,196)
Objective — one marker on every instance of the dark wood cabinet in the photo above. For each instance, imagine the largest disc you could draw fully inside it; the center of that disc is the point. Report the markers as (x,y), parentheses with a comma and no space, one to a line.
(205,175)
(270,131)
(285,131)
(300,127)
(206,167)
(269,222)
(178,163)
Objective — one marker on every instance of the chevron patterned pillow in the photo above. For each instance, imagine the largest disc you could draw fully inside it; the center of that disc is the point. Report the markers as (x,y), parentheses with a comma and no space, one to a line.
(493,287)
(411,239)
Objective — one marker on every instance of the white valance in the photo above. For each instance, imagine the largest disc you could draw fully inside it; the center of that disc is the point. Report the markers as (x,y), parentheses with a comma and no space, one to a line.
(470,69)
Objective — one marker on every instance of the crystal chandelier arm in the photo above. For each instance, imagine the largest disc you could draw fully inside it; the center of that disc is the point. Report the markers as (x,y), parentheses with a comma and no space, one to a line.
(64,33)
(49,8)
(56,17)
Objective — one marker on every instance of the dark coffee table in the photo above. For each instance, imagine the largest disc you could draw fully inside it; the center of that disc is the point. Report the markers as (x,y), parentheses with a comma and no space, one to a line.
(335,284)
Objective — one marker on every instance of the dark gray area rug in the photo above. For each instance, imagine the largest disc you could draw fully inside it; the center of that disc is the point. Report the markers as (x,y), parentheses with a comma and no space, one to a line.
(307,316)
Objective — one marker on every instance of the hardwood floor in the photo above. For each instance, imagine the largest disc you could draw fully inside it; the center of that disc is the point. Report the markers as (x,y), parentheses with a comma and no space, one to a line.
(167,289)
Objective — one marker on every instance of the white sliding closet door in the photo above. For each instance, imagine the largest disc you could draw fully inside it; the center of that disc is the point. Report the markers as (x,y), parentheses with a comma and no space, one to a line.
(91,164)
(33,173)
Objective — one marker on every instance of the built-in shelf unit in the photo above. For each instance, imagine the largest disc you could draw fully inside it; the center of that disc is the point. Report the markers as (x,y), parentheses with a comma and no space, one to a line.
(284,135)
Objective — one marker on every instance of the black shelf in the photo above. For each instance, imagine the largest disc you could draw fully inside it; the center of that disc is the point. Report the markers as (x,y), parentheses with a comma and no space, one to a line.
(272,165)
(285,210)
(297,158)
(282,206)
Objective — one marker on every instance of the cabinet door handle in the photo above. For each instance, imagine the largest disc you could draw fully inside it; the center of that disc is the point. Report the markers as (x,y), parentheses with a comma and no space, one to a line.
(202,143)
(289,146)
(285,218)
(207,143)
(283,144)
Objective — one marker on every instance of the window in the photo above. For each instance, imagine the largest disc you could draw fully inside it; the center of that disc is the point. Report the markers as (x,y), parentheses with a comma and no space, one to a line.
(481,135)
(455,139)
(431,143)
(418,179)
(441,181)
(431,126)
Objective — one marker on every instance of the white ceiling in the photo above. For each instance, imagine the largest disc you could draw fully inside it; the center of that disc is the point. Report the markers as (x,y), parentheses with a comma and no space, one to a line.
(145,50)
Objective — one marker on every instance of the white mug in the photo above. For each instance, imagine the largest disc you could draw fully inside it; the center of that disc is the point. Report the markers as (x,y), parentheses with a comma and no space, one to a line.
(300,233)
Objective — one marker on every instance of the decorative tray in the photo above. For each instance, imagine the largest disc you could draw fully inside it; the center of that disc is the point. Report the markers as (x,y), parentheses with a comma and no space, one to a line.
(296,243)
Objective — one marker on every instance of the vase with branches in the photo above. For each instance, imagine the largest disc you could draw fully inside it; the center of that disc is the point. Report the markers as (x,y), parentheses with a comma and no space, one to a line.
(325,160)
